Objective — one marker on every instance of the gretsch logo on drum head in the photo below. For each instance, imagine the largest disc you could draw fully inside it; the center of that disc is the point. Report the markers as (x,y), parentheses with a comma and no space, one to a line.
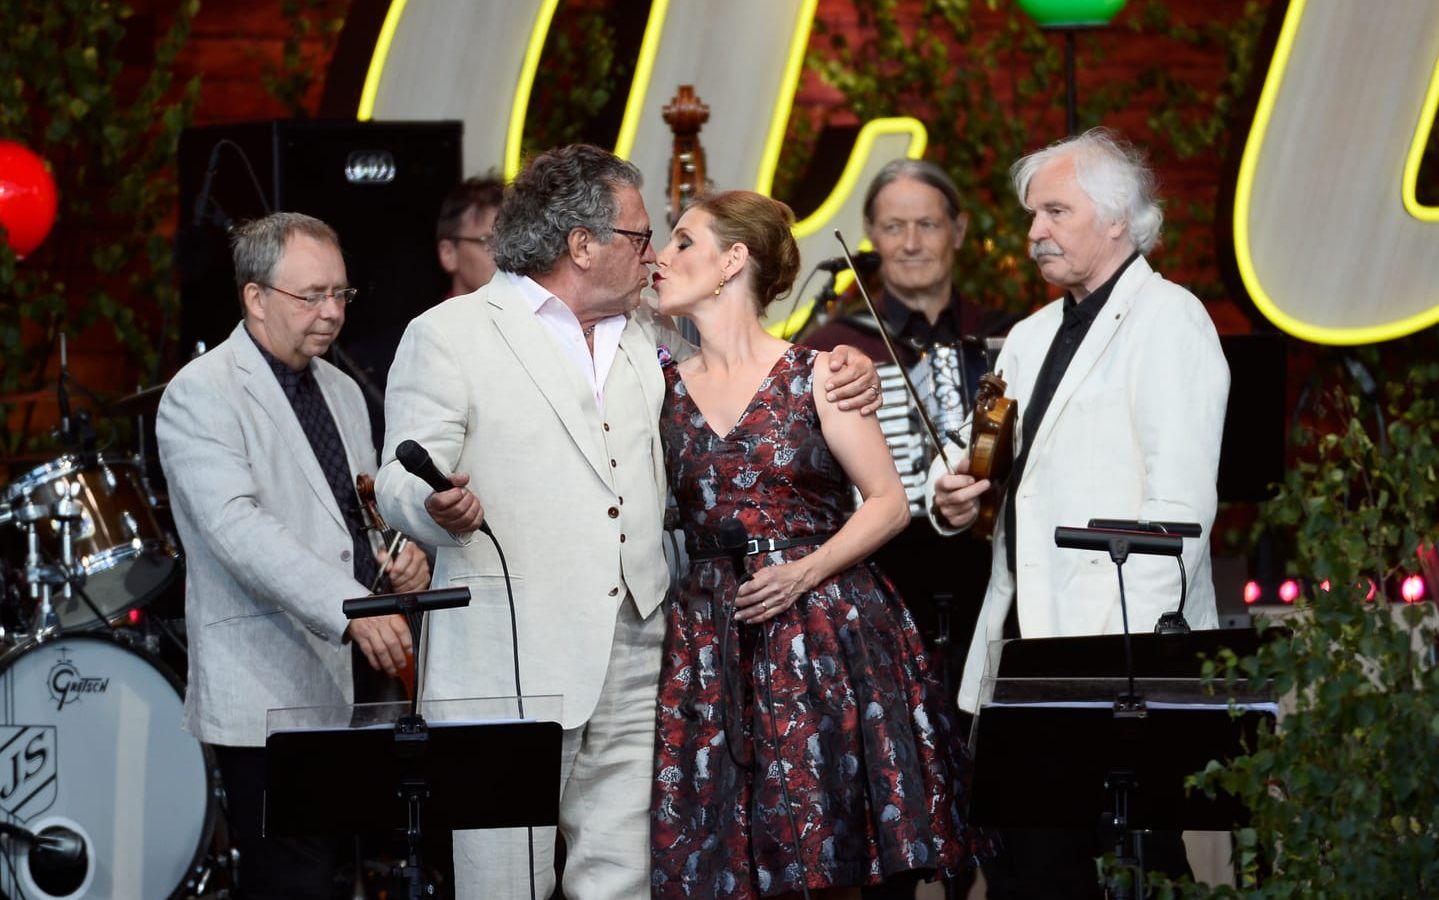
(28,774)
(67,684)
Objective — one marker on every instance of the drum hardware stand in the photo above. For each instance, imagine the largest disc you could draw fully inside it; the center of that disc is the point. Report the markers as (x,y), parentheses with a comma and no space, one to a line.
(42,577)
(38,576)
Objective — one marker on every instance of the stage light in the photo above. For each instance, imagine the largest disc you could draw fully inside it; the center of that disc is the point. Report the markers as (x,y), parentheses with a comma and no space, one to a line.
(1072,13)
(1412,589)
(1068,17)
(1252,592)
(1324,585)
(1373,589)
(134,616)
(1289,590)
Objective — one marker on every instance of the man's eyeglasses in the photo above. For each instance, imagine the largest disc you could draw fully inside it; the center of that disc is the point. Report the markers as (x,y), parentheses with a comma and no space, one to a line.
(640,239)
(343,295)
(482,241)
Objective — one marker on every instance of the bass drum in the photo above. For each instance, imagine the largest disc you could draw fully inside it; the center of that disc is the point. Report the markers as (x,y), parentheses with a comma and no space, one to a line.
(90,741)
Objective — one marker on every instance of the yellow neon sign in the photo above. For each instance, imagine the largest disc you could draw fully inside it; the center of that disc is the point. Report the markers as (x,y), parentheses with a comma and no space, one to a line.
(1416,153)
(644,68)
(1244,196)
(377,59)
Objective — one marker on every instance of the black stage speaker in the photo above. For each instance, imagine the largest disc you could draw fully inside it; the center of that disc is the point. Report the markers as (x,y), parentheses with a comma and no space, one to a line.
(1251,457)
(378,184)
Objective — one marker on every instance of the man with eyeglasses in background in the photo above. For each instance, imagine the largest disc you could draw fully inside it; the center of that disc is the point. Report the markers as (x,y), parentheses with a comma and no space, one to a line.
(463,232)
(261,441)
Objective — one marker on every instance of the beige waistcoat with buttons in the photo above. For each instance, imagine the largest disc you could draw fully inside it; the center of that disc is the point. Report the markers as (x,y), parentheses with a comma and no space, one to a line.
(574,496)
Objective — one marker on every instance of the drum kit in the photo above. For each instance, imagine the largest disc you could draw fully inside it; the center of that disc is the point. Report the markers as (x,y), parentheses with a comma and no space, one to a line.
(93,758)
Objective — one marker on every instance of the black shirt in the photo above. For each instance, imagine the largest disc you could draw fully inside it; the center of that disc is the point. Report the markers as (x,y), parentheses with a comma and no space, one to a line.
(914,328)
(1072,329)
(318,423)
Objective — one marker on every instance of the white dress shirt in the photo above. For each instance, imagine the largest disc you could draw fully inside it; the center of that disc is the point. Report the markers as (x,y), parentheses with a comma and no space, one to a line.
(562,323)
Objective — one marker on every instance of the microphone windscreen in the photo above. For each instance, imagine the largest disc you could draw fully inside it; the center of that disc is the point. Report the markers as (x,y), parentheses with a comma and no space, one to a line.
(732,535)
(411,455)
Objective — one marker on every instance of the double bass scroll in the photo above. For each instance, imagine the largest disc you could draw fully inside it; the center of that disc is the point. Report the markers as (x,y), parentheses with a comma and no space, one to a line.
(685,114)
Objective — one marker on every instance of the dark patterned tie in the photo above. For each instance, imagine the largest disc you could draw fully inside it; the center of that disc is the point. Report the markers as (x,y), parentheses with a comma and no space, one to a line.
(318,424)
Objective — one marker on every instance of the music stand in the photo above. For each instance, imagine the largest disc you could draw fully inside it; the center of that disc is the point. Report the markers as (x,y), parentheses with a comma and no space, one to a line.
(465,764)
(1124,771)
(1134,718)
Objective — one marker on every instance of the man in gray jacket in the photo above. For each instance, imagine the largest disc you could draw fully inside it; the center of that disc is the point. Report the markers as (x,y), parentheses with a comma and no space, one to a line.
(261,441)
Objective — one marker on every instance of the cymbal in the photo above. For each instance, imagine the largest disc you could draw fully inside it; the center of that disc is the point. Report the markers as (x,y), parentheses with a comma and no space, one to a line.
(141,403)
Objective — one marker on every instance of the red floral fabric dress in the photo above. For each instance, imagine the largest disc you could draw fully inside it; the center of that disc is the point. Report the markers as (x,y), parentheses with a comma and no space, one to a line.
(840,746)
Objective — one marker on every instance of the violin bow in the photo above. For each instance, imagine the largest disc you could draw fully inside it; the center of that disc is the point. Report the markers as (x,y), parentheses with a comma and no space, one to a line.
(889,344)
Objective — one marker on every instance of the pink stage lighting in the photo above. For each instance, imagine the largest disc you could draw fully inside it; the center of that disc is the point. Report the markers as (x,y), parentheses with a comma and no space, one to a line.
(1252,592)
(1289,590)
(1412,589)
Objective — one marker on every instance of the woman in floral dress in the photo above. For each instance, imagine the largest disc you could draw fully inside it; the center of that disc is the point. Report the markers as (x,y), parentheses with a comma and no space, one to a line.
(803,742)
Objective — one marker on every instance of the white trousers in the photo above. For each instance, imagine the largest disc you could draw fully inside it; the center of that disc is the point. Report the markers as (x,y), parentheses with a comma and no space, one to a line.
(606,776)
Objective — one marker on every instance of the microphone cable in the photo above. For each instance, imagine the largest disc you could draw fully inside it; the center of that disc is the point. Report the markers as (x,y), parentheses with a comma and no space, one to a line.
(1183,578)
(416,460)
(519,693)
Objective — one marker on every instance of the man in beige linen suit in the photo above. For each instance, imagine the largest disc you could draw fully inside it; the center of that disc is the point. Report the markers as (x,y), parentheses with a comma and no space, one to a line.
(543,395)
(261,441)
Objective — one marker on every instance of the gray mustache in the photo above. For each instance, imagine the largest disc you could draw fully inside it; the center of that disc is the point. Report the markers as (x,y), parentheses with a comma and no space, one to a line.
(1044,248)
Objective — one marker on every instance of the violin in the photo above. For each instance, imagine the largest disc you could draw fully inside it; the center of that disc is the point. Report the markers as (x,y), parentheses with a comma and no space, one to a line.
(991,452)
(394,543)
(685,114)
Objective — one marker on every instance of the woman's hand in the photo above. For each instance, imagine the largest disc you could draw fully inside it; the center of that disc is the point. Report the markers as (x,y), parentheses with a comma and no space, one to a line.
(773,590)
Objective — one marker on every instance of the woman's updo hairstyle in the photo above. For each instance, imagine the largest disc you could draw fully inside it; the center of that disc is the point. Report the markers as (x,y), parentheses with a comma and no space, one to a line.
(763,225)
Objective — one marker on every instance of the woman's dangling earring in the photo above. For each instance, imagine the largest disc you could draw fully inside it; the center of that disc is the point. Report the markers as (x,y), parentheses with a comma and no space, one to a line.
(721,285)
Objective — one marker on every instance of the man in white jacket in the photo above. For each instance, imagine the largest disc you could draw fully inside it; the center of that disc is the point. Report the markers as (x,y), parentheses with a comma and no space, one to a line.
(1121,388)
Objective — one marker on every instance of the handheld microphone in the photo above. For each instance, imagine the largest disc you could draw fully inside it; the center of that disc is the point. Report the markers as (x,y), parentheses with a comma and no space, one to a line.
(732,539)
(864,262)
(416,460)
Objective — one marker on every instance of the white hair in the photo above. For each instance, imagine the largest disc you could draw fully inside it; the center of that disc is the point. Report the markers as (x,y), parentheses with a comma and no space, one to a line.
(1112,174)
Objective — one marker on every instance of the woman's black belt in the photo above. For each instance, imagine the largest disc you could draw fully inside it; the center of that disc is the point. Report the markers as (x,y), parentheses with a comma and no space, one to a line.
(754,546)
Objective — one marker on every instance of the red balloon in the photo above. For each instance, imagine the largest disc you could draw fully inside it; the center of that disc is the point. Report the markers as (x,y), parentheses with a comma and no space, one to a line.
(27,198)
